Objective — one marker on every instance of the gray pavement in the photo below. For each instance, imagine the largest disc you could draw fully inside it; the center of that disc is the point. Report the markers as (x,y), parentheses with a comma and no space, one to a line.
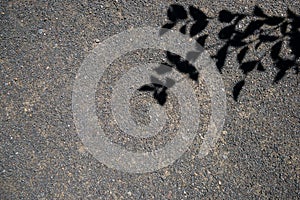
(42,46)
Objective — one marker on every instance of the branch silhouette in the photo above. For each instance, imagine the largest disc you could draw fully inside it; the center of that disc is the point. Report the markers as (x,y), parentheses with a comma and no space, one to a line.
(272,31)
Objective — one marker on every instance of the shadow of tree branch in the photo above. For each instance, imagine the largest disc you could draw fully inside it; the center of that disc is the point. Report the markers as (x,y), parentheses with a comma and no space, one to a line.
(261,30)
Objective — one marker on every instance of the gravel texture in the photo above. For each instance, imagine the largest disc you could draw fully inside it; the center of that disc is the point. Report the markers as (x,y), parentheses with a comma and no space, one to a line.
(43,44)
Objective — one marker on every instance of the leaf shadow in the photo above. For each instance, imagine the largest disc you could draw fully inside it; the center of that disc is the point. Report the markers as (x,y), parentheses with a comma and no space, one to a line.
(259,31)
(268,32)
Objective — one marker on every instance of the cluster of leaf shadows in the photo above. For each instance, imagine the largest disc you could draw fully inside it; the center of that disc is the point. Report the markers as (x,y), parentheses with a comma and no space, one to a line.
(158,88)
(193,21)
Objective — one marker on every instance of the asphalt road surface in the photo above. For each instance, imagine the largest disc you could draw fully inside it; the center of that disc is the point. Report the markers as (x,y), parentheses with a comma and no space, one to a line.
(44,43)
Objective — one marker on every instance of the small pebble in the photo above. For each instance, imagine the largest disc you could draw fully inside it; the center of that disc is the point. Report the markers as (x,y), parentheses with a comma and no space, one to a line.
(41,31)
